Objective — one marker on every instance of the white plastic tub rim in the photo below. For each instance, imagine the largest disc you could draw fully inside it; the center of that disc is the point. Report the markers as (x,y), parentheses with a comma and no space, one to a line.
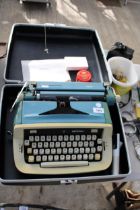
(125,66)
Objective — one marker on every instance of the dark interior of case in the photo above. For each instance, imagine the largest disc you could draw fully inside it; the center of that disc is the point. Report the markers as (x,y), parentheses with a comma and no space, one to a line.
(8,170)
(28,43)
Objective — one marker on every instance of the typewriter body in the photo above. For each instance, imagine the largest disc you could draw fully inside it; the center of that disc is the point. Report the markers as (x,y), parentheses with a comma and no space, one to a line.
(63,128)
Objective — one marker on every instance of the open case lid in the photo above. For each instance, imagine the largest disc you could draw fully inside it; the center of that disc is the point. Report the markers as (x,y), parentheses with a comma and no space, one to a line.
(28,42)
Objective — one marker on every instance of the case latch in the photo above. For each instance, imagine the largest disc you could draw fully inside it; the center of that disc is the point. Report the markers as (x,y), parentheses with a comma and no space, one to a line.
(23,208)
(68,182)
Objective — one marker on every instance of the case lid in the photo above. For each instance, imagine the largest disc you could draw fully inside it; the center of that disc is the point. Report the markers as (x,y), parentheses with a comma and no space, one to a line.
(29,42)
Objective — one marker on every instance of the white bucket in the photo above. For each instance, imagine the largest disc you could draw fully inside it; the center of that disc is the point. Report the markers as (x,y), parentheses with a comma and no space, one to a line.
(126,67)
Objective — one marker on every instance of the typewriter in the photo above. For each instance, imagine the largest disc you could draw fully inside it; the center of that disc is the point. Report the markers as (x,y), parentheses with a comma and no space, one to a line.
(62,128)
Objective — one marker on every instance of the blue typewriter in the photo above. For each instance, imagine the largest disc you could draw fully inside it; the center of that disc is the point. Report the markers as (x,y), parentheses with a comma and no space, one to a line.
(62,128)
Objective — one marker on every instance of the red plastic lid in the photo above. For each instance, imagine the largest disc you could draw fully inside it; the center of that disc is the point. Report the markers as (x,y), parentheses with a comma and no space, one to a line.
(83,76)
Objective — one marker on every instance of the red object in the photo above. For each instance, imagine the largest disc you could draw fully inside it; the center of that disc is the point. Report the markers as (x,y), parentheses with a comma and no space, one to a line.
(83,76)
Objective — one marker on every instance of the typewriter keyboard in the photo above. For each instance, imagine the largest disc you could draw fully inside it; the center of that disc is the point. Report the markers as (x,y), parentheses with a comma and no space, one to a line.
(63,146)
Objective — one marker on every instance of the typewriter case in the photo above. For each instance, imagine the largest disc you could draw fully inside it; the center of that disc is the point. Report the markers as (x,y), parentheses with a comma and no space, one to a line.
(26,42)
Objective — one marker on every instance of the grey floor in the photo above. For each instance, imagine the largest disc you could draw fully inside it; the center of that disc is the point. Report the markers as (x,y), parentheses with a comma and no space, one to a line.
(114,22)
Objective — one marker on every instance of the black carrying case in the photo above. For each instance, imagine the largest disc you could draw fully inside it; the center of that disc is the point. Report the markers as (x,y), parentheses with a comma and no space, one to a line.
(27,42)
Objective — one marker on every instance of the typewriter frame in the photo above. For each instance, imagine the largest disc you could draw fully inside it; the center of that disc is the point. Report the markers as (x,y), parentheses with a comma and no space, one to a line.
(8,172)
(95,166)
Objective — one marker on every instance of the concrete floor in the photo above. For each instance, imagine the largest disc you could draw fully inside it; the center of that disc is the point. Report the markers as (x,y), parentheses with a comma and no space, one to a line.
(113,22)
(85,196)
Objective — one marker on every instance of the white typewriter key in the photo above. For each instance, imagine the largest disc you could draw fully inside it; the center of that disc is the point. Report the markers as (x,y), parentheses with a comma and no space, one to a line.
(99,141)
(91,143)
(62,157)
(31,138)
(67,157)
(66,137)
(56,157)
(91,156)
(41,151)
(38,158)
(36,138)
(70,150)
(53,151)
(59,151)
(85,157)
(31,159)
(57,144)
(79,157)
(54,138)
(71,137)
(60,138)
(26,142)
(83,137)
(46,144)
(93,150)
(48,138)
(34,145)
(77,137)
(40,144)
(82,150)
(29,150)
(93,130)
(42,138)
(68,144)
(51,144)
(85,143)
(65,150)
(99,148)
(44,158)
(35,151)
(73,157)
(74,144)
(63,144)
(80,144)
(47,151)
(50,158)
(64,164)
(88,137)
(87,150)
(76,150)
(94,137)
(33,131)
(97,156)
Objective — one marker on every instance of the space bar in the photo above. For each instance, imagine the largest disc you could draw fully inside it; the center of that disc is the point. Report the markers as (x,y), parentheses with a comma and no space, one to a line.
(63,164)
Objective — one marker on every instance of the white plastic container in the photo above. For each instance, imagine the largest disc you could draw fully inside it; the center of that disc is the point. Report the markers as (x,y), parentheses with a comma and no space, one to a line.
(126,67)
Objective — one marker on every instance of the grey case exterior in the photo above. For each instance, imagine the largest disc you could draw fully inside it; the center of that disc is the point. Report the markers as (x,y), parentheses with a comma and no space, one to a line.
(26,42)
